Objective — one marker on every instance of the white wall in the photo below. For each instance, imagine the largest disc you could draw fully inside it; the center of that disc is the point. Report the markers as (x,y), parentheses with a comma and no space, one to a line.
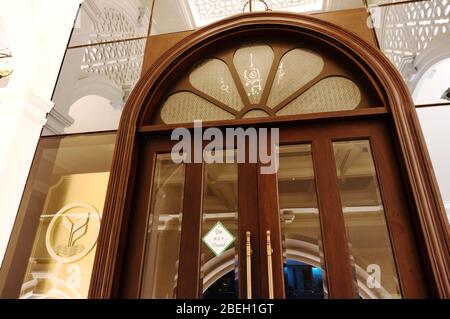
(38,32)
(435,125)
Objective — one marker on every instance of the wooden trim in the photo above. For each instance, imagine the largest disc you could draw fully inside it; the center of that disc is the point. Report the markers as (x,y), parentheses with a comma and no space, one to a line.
(249,221)
(406,131)
(280,120)
(136,241)
(337,256)
(190,250)
(404,242)
(269,216)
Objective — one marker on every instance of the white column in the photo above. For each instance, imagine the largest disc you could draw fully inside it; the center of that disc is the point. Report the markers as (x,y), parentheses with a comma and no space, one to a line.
(38,31)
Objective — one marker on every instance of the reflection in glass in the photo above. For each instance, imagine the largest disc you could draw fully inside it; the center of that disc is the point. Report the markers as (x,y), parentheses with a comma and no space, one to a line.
(170,16)
(434,85)
(93,87)
(304,271)
(220,205)
(164,230)
(100,21)
(65,192)
(367,232)
(413,35)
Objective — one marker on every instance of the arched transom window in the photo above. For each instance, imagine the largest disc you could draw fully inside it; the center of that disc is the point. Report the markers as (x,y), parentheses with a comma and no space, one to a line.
(265,79)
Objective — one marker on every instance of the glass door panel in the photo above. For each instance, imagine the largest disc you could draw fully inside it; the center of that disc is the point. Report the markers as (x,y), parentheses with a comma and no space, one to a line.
(164,230)
(219,248)
(303,261)
(370,247)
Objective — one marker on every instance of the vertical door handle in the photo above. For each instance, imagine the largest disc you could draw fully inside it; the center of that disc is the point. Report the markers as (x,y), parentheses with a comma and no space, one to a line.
(269,265)
(248,253)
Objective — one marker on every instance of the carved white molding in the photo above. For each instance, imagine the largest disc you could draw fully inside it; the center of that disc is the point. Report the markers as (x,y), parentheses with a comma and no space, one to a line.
(56,123)
(26,103)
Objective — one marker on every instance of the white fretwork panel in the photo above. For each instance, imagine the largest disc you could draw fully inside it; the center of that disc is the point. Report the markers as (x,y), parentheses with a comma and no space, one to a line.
(408,29)
(109,20)
(120,62)
(113,24)
(208,9)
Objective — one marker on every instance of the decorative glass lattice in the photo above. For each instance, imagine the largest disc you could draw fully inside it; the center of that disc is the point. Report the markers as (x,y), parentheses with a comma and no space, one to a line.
(254,83)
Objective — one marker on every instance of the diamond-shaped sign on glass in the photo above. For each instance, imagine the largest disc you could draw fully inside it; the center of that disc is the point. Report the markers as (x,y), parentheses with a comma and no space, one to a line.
(218,239)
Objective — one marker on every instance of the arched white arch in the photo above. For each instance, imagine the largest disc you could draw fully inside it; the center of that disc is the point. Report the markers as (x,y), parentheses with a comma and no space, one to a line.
(299,250)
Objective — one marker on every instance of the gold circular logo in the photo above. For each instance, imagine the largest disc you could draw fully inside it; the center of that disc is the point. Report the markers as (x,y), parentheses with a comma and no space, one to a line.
(72,232)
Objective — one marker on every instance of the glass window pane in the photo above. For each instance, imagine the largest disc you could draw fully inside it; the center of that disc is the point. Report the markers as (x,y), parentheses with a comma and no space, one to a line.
(65,194)
(186,107)
(219,253)
(296,68)
(93,87)
(304,266)
(367,232)
(164,230)
(170,16)
(213,78)
(253,63)
(99,21)
(334,93)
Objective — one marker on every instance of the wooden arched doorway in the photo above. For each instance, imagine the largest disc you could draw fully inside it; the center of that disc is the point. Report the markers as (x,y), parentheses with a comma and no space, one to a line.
(354,198)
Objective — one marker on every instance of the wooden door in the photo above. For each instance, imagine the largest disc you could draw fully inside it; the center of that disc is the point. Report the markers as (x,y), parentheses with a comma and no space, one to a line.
(333,222)
(337,213)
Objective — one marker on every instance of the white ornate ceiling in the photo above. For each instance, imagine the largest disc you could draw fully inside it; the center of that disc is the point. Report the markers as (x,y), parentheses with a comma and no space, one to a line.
(207,11)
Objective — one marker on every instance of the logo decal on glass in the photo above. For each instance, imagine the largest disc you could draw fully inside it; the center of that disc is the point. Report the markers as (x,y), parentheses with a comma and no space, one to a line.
(218,239)
(72,232)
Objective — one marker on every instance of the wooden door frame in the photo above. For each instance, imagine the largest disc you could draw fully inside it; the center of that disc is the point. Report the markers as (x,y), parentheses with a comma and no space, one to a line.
(428,213)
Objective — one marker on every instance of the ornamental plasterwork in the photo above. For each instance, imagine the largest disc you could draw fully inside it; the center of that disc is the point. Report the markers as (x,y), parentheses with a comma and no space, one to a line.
(407,30)
(120,62)
(210,9)
(112,24)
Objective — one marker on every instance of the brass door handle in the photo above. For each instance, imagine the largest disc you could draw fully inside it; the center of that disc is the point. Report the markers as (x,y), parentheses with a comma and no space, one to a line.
(269,264)
(248,253)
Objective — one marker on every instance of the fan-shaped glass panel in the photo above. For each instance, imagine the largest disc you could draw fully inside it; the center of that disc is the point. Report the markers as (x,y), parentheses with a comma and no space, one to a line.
(213,77)
(296,68)
(253,63)
(185,107)
(331,94)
